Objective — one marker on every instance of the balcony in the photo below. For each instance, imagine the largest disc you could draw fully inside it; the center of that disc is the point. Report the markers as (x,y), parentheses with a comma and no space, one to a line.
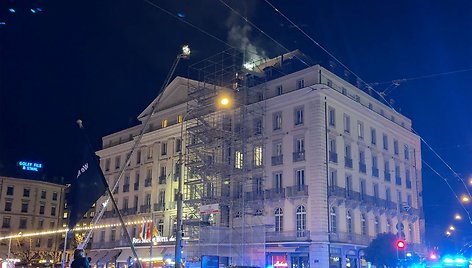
(125,188)
(159,206)
(109,214)
(362,168)
(254,195)
(297,191)
(299,156)
(288,236)
(162,179)
(145,208)
(333,157)
(408,184)
(148,182)
(128,211)
(350,238)
(398,180)
(387,175)
(277,160)
(348,162)
(375,172)
(136,186)
(275,193)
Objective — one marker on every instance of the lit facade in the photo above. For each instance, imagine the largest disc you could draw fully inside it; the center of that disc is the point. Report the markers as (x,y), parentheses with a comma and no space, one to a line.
(28,206)
(339,167)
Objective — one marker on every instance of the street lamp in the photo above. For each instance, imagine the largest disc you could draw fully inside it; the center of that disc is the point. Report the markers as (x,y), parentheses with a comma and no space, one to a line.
(458,217)
(223,102)
(465,198)
(452,228)
(448,233)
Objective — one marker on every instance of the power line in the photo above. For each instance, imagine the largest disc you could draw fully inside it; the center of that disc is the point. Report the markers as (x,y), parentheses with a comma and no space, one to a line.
(420,77)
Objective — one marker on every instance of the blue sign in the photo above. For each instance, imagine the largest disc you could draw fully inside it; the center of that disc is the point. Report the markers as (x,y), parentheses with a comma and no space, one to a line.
(30,166)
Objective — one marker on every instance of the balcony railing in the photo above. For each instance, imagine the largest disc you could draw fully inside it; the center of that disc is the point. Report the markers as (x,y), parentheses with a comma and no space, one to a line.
(110,244)
(387,175)
(254,195)
(297,191)
(408,184)
(162,179)
(348,162)
(159,206)
(128,211)
(351,238)
(277,160)
(145,208)
(136,186)
(298,156)
(275,193)
(125,188)
(333,157)
(148,182)
(362,168)
(375,172)
(398,180)
(286,236)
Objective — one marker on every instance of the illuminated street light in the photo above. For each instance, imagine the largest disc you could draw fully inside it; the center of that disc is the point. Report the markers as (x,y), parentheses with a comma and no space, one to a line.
(458,217)
(448,233)
(470,181)
(185,51)
(452,228)
(465,198)
(224,101)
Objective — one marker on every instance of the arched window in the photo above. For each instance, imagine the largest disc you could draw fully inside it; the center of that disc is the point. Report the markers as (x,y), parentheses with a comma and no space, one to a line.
(349,226)
(301,221)
(364,226)
(279,219)
(377,225)
(333,220)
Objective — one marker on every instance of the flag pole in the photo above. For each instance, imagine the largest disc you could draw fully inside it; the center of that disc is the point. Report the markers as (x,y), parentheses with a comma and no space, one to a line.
(64,254)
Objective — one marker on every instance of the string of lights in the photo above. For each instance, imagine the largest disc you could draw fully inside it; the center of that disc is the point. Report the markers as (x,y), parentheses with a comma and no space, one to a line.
(380,95)
(76,229)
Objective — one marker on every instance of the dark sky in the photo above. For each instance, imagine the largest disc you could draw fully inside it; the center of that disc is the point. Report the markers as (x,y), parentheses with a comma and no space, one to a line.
(105,60)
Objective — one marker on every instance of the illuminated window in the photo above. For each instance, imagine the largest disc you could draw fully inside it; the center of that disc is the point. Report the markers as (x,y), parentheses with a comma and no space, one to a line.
(180,118)
(64,225)
(257,156)
(164,123)
(239,160)
(65,215)
(92,214)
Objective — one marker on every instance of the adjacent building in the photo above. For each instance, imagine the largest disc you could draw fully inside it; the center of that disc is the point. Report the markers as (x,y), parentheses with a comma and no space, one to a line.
(303,170)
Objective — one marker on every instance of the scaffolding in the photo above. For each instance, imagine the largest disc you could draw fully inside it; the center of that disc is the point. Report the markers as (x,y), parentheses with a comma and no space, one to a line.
(224,175)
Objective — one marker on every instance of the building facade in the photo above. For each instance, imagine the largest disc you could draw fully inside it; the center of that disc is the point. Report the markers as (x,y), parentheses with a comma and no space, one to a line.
(29,206)
(336,168)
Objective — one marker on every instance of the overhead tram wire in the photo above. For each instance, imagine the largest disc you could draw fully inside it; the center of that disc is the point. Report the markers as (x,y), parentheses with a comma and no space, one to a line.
(402,80)
(450,187)
(373,89)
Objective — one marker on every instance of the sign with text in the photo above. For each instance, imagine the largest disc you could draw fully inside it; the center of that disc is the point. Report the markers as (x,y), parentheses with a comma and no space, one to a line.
(30,166)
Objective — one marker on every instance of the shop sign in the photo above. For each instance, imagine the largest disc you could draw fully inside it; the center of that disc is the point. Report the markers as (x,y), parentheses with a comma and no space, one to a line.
(156,239)
(279,261)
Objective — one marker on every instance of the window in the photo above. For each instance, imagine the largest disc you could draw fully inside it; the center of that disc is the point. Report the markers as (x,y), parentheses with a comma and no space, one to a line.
(298,113)
(113,235)
(399,199)
(10,190)
(258,156)
(301,221)
(279,220)
(347,123)
(117,162)
(24,207)
(376,190)
(395,147)
(364,227)
(178,145)
(389,226)
(164,123)
(411,233)
(164,148)
(332,116)
(300,145)
(43,194)
(373,136)
(53,211)
(49,243)
(180,118)
(377,225)
(371,106)
(333,220)
(107,164)
(362,189)
(406,151)
(150,152)
(6,222)
(138,157)
(333,178)
(279,90)
(125,203)
(8,205)
(300,179)
(239,160)
(300,84)
(26,192)
(40,224)
(350,228)
(409,200)
(257,126)
(278,182)
(388,195)
(23,223)
(41,210)
(277,121)
(278,148)
(344,91)
(64,215)
(348,184)
(385,141)
(54,196)
(360,130)
(387,170)
(160,228)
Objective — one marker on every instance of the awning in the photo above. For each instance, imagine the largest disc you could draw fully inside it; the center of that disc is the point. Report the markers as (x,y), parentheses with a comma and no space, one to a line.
(96,255)
(143,253)
(110,256)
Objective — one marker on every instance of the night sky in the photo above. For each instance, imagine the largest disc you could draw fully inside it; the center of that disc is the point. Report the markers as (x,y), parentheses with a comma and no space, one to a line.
(104,61)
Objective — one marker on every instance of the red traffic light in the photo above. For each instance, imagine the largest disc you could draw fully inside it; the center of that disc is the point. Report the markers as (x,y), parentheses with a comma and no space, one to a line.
(401,244)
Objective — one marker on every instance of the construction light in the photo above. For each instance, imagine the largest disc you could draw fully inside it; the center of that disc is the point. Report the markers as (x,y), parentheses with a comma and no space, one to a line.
(186,51)
(400,244)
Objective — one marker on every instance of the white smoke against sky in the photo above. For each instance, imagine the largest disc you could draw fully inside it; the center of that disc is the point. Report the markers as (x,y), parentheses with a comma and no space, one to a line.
(238,36)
